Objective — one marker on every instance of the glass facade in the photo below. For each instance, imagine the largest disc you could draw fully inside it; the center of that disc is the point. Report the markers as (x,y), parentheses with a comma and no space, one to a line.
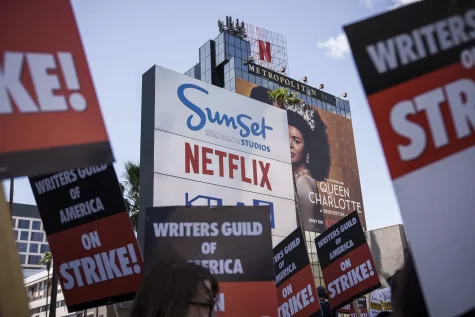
(34,259)
(30,239)
(36,225)
(24,224)
(233,53)
(205,62)
(37,236)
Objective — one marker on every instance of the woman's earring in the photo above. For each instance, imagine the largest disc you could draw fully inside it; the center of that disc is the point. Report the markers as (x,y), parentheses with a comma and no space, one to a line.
(308,158)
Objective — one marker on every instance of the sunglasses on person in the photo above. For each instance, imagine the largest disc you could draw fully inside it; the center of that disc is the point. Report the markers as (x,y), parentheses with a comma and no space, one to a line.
(210,305)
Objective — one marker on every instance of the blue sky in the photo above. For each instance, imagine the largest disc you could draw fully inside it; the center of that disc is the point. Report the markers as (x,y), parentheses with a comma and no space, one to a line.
(123,39)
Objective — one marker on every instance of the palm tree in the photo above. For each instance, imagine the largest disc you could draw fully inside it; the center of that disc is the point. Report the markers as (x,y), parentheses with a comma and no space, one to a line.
(131,190)
(47,259)
(282,97)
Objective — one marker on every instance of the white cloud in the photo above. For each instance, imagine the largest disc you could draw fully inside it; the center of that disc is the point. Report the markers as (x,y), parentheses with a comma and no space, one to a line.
(400,3)
(367,3)
(336,46)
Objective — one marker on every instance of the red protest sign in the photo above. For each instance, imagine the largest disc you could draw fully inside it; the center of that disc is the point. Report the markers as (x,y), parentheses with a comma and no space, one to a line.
(98,262)
(419,78)
(347,264)
(49,113)
(296,292)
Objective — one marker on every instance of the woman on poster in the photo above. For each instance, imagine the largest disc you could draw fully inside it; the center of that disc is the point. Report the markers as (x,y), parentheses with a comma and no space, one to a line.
(310,157)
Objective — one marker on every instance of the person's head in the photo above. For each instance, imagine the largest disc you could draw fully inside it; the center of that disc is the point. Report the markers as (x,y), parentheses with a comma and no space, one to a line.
(176,289)
(308,139)
(322,292)
(384,314)
(406,294)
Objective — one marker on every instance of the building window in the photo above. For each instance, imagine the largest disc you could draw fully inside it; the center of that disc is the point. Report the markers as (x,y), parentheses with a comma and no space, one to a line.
(15,234)
(13,222)
(36,225)
(22,259)
(44,248)
(37,236)
(24,235)
(21,246)
(34,259)
(33,248)
(23,224)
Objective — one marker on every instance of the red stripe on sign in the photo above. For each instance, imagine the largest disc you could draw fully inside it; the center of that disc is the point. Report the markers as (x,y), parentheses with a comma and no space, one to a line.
(97,260)
(298,296)
(350,276)
(238,299)
(426,119)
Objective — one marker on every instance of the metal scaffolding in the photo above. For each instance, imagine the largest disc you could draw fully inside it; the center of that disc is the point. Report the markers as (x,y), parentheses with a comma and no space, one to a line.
(278,48)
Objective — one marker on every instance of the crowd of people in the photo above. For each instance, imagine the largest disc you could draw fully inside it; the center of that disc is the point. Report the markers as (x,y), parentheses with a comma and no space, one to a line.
(189,290)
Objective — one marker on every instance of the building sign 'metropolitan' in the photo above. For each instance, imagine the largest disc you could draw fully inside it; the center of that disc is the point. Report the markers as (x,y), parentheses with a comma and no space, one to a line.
(208,146)
(291,83)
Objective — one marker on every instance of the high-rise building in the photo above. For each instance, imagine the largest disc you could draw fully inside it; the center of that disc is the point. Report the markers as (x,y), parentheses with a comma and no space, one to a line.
(39,298)
(243,57)
(259,58)
(30,236)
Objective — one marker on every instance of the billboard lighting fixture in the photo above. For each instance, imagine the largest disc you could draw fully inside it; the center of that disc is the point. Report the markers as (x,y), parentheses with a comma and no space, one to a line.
(304,79)
(344,95)
(321,86)
(249,60)
(282,70)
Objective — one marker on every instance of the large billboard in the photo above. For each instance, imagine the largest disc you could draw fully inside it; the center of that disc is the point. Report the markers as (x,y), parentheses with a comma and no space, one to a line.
(203,145)
(323,156)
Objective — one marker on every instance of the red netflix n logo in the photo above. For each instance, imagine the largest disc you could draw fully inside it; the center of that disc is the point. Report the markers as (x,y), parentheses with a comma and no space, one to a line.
(264,51)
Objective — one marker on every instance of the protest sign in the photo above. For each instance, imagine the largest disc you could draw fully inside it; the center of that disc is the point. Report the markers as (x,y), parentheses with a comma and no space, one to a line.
(349,309)
(11,281)
(347,265)
(50,118)
(234,243)
(380,300)
(90,235)
(419,79)
(296,292)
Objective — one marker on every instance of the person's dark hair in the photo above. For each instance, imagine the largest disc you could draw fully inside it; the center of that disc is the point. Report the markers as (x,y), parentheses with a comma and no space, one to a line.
(406,294)
(384,314)
(168,289)
(316,142)
(260,94)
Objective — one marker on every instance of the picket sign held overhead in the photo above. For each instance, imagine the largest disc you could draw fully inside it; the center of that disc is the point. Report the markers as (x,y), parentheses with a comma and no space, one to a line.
(90,235)
(347,264)
(419,78)
(296,292)
(233,243)
(50,118)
